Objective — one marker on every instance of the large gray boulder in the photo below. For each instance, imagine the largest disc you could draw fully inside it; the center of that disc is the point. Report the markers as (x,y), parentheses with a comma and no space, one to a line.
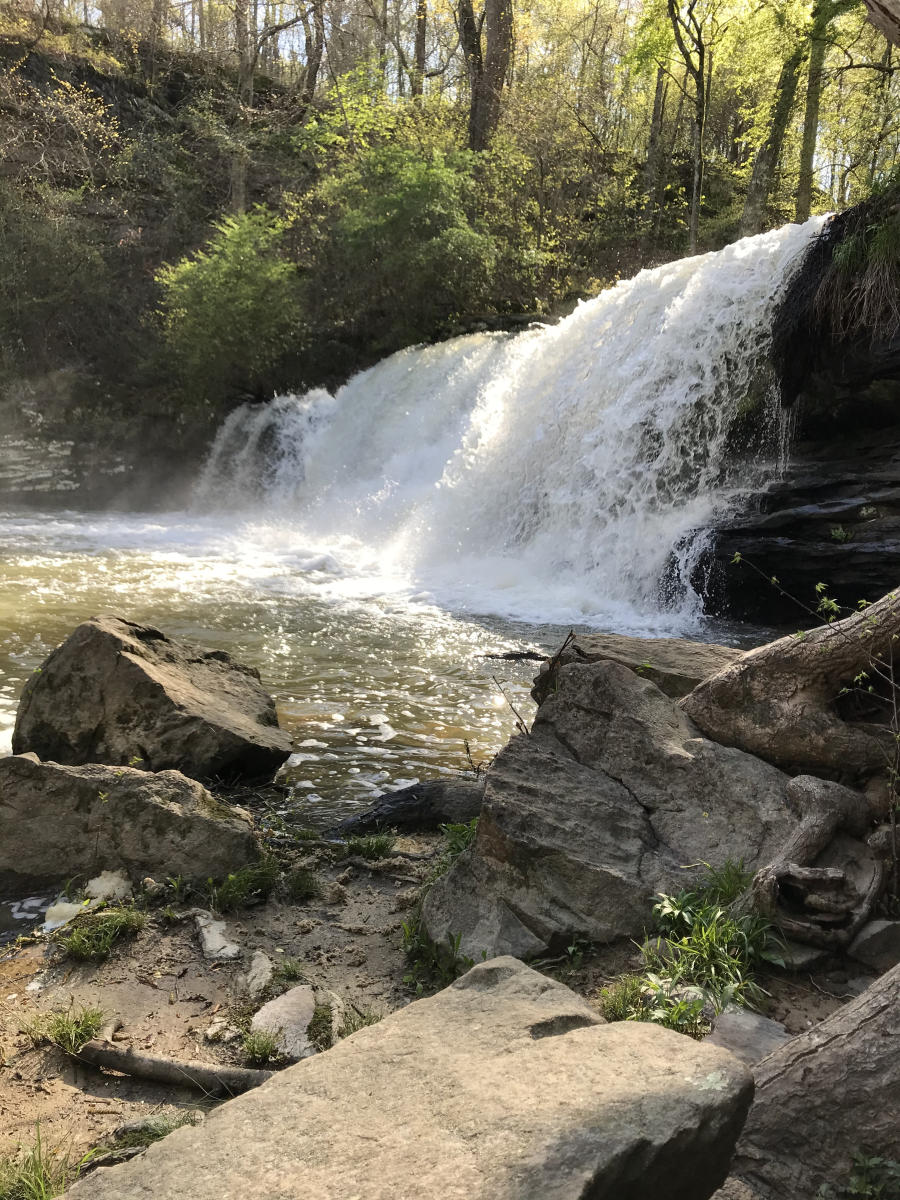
(607,801)
(822,1097)
(505,1086)
(58,821)
(115,692)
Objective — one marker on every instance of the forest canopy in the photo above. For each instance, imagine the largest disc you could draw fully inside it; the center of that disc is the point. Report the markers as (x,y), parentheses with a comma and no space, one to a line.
(204,201)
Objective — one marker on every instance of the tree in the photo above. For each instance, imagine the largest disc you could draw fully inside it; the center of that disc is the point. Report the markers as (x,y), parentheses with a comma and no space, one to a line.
(688,29)
(487,66)
(769,153)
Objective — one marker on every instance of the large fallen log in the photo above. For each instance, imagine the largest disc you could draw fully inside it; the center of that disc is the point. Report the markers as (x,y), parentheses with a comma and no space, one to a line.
(211,1078)
(824,1096)
(779,701)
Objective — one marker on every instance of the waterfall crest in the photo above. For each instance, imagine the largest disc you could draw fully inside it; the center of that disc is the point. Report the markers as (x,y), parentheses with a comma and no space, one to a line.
(561,474)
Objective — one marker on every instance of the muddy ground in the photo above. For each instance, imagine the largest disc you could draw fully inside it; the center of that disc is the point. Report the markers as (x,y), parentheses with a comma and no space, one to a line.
(348,940)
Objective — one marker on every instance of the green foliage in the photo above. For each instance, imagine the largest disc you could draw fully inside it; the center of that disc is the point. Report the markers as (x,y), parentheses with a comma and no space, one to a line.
(355,1019)
(230,310)
(289,970)
(394,245)
(302,884)
(91,936)
(459,836)
(371,846)
(260,1047)
(69,1030)
(39,1173)
(871,1178)
(250,885)
(704,953)
(431,965)
(319,1030)
(155,1129)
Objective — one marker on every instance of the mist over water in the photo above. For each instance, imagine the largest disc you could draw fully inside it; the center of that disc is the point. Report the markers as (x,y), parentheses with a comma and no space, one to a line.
(366,550)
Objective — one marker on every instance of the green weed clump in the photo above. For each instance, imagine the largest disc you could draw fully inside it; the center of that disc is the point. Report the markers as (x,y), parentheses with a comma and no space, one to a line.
(302,884)
(872,1178)
(459,836)
(355,1019)
(372,847)
(67,1030)
(154,1129)
(260,1047)
(92,935)
(319,1029)
(39,1173)
(289,970)
(431,965)
(249,885)
(701,945)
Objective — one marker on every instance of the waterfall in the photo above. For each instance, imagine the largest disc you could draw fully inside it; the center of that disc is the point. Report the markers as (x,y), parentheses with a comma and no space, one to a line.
(569,473)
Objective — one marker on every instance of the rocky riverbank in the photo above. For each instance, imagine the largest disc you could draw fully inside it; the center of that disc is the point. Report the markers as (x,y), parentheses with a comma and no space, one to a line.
(248,952)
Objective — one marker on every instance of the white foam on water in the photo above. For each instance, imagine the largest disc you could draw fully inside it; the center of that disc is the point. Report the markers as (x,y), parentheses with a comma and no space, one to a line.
(567,474)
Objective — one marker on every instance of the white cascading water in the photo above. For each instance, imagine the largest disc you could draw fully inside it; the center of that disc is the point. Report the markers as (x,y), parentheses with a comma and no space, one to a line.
(558,475)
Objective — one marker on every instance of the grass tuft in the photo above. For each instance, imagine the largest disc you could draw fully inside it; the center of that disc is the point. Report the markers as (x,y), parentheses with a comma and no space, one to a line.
(39,1173)
(319,1030)
(372,846)
(303,884)
(289,970)
(260,1047)
(355,1019)
(250,885)
(154,1129)
(67,1030)
(92,935)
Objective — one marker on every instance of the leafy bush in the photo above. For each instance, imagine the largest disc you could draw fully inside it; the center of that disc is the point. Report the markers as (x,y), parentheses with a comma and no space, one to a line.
(229,311)
(872,1178)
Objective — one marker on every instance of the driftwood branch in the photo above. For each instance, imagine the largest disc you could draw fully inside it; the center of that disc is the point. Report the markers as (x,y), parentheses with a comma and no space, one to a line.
(207,1077)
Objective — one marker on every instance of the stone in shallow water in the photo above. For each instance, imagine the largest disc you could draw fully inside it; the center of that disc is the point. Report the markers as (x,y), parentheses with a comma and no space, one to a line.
(505,1086)
(119,693)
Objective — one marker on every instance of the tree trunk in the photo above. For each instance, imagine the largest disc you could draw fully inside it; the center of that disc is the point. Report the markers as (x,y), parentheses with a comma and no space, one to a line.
(417,80)
(818,46)
(823,1096)
(211,1078)
(766,161)
(315,47)
(487,69)
(654,142)
(778,701)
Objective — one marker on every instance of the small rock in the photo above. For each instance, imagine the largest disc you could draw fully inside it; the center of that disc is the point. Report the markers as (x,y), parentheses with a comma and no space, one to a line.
(877,945)
(259,976)
(288,1017)
(749,1036)
(799,957)
(213,937)
(219,1030)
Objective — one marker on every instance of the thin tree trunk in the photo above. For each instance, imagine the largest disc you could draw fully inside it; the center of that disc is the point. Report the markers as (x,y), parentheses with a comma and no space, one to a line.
(769,153)
(654,142)
(487,71)
(818,46)
(417,81)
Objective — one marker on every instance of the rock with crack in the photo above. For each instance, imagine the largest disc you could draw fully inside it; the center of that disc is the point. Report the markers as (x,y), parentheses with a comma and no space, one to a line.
(504,1086)
(59,821)
(614,792)
(822,1097)
(119,693)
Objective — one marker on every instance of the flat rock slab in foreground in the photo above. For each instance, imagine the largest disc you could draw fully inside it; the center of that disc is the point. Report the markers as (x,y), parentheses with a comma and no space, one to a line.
(119,693)
(505,1086)
(58,821)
